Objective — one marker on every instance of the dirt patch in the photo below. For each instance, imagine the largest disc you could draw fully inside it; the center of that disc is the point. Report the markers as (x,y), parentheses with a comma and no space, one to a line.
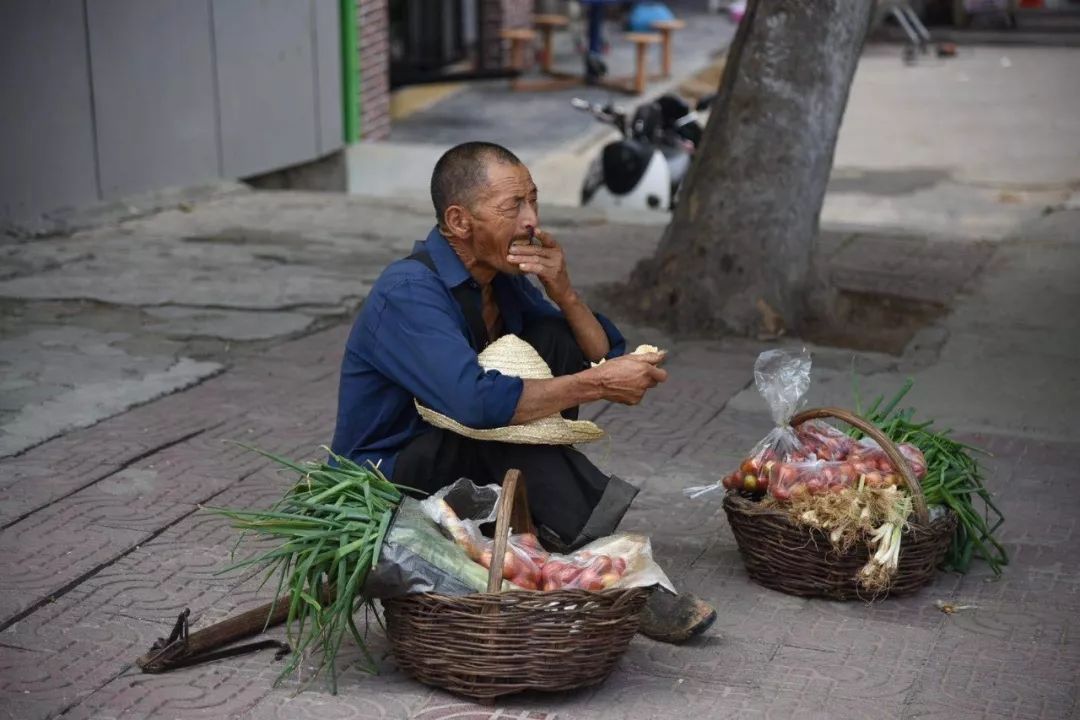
(874,291)
(871,322)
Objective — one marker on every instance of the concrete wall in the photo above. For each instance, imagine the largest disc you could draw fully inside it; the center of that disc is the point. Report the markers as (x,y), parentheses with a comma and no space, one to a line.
(48,156)
(105,98)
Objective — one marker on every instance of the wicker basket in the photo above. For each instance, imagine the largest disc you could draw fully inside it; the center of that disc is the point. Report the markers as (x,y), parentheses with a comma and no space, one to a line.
(799,560)
(490,644)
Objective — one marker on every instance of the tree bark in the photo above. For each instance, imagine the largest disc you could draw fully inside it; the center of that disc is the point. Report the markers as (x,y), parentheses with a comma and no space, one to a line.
(736,256)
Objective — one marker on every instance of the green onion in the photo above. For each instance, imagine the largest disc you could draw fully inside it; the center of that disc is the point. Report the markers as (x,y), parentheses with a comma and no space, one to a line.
(331,524)
(953,479)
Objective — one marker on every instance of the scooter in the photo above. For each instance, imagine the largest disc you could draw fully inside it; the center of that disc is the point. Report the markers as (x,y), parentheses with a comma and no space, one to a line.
(645,168)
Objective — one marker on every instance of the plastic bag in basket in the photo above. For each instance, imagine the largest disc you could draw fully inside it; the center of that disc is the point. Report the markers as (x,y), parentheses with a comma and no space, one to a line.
(838,462)
(825,442)
(812,477)
(782,378)
(478,505)
(617,561)
(872,462)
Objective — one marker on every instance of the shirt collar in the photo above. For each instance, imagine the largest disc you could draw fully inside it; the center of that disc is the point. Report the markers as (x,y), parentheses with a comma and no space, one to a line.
(447,264)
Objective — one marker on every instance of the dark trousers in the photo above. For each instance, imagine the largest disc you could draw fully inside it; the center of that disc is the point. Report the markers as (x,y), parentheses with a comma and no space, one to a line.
(571,500)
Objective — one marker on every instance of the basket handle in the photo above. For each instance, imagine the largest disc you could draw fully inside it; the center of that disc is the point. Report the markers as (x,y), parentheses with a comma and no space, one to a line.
(513,512)
(918,500)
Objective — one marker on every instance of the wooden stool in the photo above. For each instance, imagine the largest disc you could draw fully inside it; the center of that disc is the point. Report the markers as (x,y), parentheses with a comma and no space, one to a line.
(643,41)
(520,39)
(666,28)
(547,25)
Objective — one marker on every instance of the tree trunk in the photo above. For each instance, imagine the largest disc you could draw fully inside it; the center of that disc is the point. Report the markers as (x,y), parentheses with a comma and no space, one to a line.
(736,256)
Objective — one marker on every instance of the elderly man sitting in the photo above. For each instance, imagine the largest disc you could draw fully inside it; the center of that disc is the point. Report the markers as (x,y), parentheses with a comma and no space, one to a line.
(418,343)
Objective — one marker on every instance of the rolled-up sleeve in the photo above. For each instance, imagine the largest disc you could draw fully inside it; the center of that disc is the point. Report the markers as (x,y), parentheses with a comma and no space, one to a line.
(615,338)
(415,340)
(539,306)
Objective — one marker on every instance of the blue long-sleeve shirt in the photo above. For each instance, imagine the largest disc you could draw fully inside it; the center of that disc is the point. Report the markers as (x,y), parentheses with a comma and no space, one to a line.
(411,340)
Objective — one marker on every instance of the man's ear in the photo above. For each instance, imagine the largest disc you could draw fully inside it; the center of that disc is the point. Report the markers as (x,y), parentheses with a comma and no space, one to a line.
(458,221)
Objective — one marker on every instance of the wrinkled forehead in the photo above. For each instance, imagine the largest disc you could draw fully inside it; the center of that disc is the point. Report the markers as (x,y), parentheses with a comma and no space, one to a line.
(505,180)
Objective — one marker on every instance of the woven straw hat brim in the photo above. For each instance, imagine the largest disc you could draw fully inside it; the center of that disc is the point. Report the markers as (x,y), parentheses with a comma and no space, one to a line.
(510,355)
(552,430)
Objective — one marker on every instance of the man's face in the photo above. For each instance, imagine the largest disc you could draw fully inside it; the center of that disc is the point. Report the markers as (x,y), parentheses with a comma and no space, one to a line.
(505,212)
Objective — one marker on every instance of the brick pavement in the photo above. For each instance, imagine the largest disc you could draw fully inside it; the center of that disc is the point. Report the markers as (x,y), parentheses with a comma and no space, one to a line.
(105,545)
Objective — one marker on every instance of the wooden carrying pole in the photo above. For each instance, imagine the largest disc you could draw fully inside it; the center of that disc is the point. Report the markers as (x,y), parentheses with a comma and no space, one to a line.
(182,649)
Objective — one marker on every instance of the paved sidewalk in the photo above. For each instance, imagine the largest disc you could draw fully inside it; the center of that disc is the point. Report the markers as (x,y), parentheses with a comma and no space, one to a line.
(103,542)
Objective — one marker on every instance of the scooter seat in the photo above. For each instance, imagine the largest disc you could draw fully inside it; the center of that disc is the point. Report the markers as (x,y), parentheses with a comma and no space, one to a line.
(624,164)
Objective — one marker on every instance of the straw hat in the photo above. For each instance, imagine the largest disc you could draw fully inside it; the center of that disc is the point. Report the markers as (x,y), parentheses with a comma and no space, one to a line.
(510,355)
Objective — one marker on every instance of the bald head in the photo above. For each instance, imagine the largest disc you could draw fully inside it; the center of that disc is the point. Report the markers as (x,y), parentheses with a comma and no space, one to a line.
(460,175)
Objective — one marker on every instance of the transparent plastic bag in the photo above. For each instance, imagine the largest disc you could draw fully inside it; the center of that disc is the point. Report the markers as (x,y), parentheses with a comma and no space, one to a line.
(866,462)
(870,460)
(584,572)
(472,507)
(825,442)
(782,378)
(811,477)
(617,561)
(417,557)
(915,459)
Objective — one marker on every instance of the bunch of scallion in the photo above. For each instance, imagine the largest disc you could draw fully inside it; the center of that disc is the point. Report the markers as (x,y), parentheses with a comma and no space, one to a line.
(953,479)
(331,525)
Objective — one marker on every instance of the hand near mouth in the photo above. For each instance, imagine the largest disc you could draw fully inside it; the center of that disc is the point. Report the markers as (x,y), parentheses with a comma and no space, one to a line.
(546,262)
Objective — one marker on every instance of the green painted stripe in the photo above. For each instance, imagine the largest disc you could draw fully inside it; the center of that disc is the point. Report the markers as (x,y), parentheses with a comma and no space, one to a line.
(350,72)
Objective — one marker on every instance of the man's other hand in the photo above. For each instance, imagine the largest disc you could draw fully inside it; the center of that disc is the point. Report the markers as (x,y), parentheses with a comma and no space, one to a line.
(626,379)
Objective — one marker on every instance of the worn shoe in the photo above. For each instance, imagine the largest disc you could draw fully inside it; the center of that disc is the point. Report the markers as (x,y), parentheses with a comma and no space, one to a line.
(675,618)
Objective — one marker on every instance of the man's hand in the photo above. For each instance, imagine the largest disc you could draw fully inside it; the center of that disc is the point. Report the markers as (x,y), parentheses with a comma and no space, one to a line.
(626,379)
(623,380)
(546,262)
